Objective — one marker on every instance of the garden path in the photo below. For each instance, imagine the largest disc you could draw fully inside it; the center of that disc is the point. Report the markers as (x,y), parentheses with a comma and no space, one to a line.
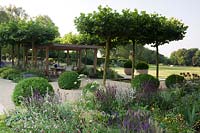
(7,87)
(6,90)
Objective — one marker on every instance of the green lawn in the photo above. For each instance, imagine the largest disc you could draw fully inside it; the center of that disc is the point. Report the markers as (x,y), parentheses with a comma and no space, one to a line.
(164,70)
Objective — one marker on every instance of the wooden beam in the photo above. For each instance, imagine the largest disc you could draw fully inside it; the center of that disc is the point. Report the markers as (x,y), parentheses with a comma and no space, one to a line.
(95,60)
(47,60)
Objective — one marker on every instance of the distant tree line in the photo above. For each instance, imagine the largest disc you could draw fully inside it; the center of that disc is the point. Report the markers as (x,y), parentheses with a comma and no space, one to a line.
(141,53)
(186,57)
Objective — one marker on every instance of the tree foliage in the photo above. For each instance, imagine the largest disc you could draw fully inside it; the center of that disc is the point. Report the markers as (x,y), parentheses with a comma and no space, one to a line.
(40,30)
(8,15)
(136,28)
(165,30)
(186,57)
(18,30)
(103,23)
(140,28)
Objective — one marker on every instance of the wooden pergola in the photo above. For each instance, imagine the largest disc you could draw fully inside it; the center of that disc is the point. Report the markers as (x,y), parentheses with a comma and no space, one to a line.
(65,47)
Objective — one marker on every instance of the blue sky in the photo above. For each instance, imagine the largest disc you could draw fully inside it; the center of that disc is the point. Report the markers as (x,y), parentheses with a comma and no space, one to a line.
(63,12)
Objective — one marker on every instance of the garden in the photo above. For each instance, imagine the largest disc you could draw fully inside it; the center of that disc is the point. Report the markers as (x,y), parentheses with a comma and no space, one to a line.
(137,105)
(141,108)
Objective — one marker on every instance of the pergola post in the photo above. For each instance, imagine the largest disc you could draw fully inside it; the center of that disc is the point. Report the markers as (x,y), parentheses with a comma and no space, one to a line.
(25,56)
(35,56)
(95,60)
(67,58)
(76,58)
(79,60)
(47,60)
(85,56)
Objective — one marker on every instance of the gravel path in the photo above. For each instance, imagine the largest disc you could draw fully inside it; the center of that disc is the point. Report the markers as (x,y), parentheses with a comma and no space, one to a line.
(7,87)
(6,90)
(2,109)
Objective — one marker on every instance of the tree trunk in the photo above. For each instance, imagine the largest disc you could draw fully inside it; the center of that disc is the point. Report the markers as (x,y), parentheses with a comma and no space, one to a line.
(24,64)
(106,64)
(157,62)
(12,54)
(133,59)
(18,55)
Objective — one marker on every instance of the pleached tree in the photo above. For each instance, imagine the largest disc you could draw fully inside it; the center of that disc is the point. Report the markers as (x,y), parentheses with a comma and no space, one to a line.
(136,29)
(105,23)
(165,30)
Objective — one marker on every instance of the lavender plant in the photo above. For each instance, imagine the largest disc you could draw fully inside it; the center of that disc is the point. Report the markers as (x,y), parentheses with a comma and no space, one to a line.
(42,114)
(106,99)
(136,121)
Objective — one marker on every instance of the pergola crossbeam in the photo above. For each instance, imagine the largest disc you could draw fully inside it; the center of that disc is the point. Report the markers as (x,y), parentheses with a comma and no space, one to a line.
(65,47)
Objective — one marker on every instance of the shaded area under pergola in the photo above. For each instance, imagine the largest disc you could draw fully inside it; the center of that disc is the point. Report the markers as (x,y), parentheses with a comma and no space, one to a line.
(67,48)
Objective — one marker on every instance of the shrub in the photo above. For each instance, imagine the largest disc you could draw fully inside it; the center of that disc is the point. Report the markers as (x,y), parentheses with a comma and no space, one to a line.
(25,88)
(89,71)
(69,80)
(145,83)
(189,107)
(106,99)
(173,80)
(111,74)
(128,64)
(15,77)
(89,61)
(141,66)
(120,62)
(90,88)
(136,121)
(3,69)
(42,114)
(168,99)
(10,71)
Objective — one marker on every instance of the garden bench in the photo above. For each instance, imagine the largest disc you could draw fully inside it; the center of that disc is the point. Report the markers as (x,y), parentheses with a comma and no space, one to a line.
(28,75)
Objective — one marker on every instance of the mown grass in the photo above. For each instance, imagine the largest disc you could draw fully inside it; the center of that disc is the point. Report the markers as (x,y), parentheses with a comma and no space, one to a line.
(164,70)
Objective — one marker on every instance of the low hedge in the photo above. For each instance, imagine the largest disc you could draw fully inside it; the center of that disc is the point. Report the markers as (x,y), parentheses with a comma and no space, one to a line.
(128,64)
(27,87)
(173,80)
(7,73)
(145,83)
(141,66)
(69,80)
(3,69)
